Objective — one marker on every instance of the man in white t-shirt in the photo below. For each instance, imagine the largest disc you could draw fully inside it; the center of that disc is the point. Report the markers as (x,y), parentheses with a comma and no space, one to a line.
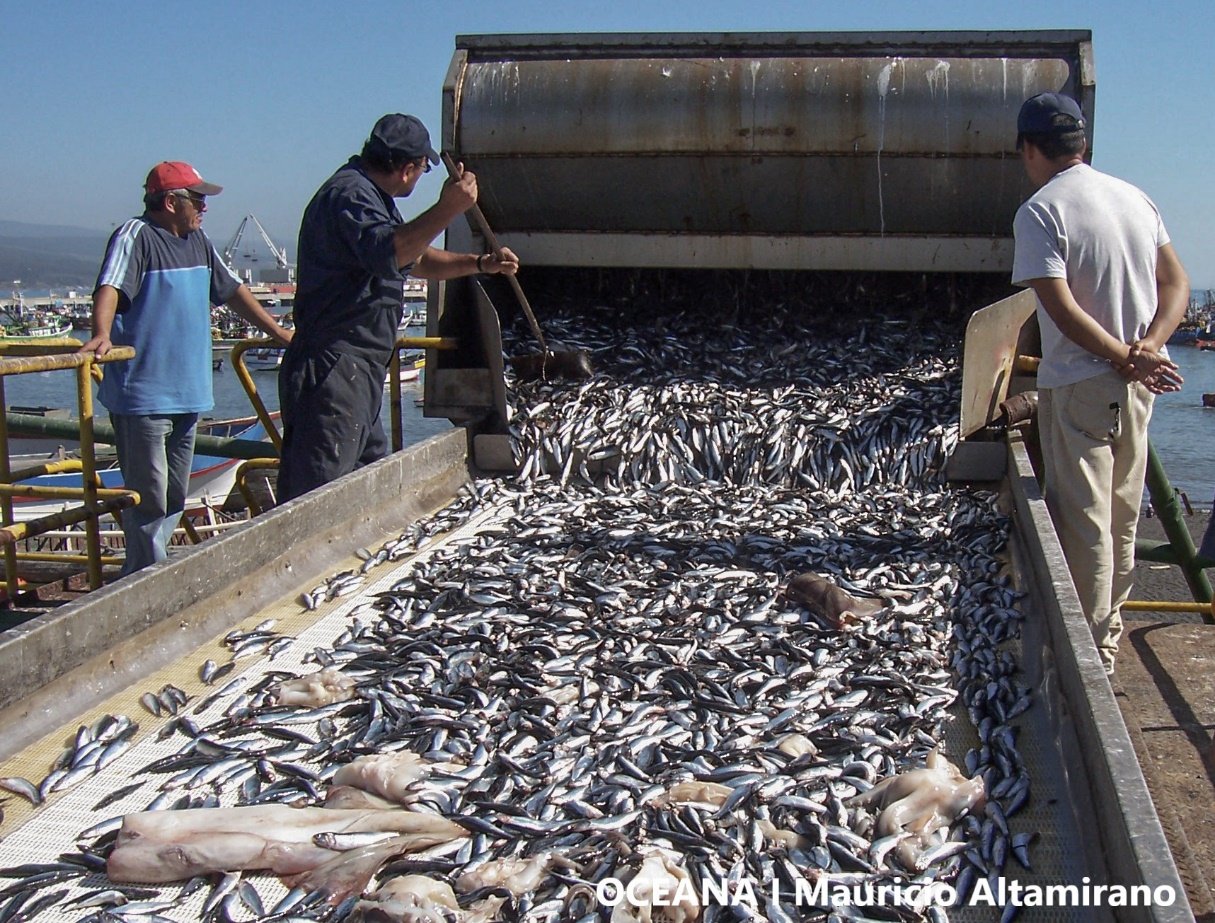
(1111,291)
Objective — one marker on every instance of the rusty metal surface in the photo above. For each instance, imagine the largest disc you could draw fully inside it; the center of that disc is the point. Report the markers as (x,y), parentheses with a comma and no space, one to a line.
(798,135)
(992,336)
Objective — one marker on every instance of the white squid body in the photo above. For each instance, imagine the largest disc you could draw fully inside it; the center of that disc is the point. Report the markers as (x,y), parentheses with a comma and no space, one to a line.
(664,893)
(388,775)
(409,899)
(518,876)
(713,794)
(160,846)
(316,689)
(920,802)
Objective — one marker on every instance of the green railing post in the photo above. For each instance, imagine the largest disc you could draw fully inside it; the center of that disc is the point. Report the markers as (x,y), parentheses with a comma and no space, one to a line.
(1180,547)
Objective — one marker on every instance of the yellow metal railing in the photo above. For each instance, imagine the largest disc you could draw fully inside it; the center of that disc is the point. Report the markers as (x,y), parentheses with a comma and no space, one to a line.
(259,406)
(43,356)
(394,380)
(246,380)
(242,481)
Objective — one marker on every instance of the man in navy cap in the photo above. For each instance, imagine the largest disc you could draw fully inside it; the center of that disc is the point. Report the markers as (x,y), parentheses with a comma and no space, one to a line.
(355,252)
(1111,291)
(154,292)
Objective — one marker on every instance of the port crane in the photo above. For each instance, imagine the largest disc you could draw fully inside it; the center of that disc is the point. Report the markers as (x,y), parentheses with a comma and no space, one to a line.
(279,253)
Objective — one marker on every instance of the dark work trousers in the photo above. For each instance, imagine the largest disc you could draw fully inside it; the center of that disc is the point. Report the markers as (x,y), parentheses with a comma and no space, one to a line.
(331,404)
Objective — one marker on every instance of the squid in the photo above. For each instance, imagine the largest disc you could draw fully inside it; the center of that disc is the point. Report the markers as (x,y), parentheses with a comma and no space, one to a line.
(316,689)
(154,847)
(919,802)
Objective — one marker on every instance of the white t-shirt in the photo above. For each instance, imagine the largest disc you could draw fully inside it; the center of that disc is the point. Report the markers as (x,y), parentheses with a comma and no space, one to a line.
(1102,235)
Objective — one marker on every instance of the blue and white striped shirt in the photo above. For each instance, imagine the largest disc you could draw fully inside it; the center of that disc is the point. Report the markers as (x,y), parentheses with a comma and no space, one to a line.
(166,286)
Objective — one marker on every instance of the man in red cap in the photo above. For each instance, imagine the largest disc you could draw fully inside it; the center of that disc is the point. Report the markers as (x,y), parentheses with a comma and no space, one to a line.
(355,252)
(157,283)
(1111,291)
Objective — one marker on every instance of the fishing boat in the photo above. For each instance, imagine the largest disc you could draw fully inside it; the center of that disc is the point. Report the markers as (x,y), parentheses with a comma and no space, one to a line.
(49,327)
(212,478)
(411,370)
(414,317)
(264,359)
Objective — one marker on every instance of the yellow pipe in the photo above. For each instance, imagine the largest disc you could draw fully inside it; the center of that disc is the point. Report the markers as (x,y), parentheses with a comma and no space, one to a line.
(18,359)
(394,399)
(259,407)
(51,363)
(40,347)
(18,531)
(60,493)
(1147,605)
(394,379)
(88,468)
(253,464)
(6,503)
(55,557)
(246,380)
(1027,365)
(63,466)
(188,528)
(427,343)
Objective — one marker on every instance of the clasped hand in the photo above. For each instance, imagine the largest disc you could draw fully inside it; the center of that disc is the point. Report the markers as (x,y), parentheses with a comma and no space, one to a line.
(1156,372)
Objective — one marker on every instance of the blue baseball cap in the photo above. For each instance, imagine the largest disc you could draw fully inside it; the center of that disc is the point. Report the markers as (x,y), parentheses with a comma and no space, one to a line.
(1049,113)
(404,136)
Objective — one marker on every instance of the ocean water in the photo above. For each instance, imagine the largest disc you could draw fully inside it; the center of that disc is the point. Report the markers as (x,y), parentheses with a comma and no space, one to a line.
(1182,430)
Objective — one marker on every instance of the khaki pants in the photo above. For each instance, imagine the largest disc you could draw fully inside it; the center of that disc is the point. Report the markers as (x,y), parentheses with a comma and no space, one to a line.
(1094,445)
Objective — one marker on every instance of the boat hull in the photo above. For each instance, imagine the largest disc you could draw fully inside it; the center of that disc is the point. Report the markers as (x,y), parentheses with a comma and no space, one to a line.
(212,478)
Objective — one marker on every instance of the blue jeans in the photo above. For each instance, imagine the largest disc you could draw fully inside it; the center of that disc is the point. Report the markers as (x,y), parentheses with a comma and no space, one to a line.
(155,452)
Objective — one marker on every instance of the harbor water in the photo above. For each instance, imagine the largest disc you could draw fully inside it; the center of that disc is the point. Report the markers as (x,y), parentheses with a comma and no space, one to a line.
(1182,429)
(58,389)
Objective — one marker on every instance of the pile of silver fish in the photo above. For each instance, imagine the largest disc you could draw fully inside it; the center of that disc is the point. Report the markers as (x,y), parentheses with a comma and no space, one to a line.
(606,677)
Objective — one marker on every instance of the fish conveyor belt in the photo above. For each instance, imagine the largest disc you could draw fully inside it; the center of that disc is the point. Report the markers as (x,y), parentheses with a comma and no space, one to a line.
(596,670)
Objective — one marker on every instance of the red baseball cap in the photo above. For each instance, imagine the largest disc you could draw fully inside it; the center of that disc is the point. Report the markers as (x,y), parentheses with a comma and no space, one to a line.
(175,174)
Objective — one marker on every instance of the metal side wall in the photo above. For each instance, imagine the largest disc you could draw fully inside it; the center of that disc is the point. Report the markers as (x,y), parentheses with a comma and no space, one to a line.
(59,664)
(62,665)
(1110,796)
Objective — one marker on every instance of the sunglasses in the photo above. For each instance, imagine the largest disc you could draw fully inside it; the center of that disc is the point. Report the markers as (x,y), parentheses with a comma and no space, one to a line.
(199,201)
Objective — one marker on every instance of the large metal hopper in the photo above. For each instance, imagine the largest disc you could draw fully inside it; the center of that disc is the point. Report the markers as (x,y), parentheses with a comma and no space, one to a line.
(841,151)
(873,152)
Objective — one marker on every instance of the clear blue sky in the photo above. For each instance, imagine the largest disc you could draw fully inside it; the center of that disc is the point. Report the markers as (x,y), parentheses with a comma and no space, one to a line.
(267,98)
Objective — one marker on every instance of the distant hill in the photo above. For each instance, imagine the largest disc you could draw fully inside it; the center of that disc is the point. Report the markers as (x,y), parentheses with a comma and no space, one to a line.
(49,256)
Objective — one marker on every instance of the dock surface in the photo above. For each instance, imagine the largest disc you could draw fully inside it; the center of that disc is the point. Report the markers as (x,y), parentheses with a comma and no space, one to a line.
(1165,684)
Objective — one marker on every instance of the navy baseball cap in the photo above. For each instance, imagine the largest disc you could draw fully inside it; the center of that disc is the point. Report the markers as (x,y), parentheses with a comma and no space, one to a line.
(1049,113)
(404,136)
